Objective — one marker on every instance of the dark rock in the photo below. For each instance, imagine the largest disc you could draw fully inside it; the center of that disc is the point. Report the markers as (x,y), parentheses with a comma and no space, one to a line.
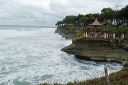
(65,33)
(97,50)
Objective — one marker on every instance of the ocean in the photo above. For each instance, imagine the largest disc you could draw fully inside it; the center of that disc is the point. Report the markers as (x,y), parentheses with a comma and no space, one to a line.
(32,55)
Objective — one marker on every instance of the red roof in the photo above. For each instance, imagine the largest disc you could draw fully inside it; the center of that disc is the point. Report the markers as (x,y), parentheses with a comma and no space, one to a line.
(96,23)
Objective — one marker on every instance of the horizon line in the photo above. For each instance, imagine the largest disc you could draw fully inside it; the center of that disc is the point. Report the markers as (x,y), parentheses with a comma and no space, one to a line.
(31,26)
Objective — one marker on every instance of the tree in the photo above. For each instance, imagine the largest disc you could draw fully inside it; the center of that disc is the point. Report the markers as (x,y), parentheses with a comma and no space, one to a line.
(70,20)
(124,13)
(107,14)
(80,20)
(59,23)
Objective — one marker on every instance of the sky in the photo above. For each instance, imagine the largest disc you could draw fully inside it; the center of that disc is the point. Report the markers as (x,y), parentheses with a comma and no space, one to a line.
(48,12)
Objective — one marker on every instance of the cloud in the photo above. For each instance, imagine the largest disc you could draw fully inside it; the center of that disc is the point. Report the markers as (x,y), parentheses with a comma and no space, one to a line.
(48,12)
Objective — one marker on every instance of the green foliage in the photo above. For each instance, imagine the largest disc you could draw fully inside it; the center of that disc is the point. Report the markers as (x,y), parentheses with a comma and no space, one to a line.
(108,29)
(107,14)
(70,28)
(87,29)
(69,20)
(124,12)
(79,35)
(117,30)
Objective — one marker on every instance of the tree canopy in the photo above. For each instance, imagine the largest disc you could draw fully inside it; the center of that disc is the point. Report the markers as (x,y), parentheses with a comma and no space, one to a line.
(107,14)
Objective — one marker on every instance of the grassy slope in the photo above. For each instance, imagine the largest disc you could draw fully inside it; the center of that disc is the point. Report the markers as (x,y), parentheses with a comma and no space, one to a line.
(119,78)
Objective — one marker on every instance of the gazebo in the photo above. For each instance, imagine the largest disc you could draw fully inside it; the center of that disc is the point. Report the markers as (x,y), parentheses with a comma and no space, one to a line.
(95,24)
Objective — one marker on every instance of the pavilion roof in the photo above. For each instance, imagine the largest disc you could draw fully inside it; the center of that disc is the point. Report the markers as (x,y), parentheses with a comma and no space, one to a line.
(96,23)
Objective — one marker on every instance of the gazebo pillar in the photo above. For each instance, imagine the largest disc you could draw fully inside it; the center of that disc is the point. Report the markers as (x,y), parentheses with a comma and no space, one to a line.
(94,29)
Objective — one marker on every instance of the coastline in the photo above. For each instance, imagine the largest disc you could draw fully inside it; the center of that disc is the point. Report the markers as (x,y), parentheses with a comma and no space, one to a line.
(77,48)
(118,78)
(96,50)
(112,55)
(98,37)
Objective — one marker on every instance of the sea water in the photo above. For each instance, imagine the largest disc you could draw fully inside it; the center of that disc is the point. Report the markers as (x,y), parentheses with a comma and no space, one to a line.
(32,55)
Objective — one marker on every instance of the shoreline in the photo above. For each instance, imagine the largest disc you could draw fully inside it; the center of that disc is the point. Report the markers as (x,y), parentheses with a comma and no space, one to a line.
(77,49)
(118,77)
(98,52)
(100,38)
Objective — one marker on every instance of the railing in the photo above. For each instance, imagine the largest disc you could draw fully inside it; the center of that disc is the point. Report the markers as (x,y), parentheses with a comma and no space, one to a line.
(99,35)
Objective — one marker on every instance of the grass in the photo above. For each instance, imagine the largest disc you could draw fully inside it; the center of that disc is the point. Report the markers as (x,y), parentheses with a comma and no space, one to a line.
(79,35)
(119,78)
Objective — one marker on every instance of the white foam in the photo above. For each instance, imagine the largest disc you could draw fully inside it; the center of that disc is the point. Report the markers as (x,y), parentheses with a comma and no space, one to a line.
(34,56)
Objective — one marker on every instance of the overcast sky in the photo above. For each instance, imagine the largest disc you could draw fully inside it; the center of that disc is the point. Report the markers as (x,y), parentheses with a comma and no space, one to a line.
(48,12)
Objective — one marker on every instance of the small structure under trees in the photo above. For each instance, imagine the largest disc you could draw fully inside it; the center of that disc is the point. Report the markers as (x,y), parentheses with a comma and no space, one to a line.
(95,24)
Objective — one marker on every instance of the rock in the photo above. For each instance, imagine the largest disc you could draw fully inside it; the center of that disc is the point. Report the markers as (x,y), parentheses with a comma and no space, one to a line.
(64,33)
(97,50)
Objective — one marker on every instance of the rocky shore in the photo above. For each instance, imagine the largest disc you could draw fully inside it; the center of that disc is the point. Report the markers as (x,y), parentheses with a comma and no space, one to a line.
(124,44)
(97,50)
(65,33)
(118,78)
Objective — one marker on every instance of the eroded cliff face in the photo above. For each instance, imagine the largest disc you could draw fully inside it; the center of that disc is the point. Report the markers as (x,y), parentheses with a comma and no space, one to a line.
(97,50)
(65,33)
(123,44)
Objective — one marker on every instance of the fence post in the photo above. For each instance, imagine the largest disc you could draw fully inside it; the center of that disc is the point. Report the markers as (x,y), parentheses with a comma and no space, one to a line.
(105,35)
(122,36)
(86,34)
(95,35)
(114,36)
(107,82)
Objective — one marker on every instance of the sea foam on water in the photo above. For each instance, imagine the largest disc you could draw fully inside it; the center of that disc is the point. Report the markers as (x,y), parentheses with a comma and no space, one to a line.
(32,55)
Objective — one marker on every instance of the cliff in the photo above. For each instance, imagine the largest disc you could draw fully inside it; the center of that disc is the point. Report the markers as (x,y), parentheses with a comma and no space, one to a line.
(64,32)
(97,50)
